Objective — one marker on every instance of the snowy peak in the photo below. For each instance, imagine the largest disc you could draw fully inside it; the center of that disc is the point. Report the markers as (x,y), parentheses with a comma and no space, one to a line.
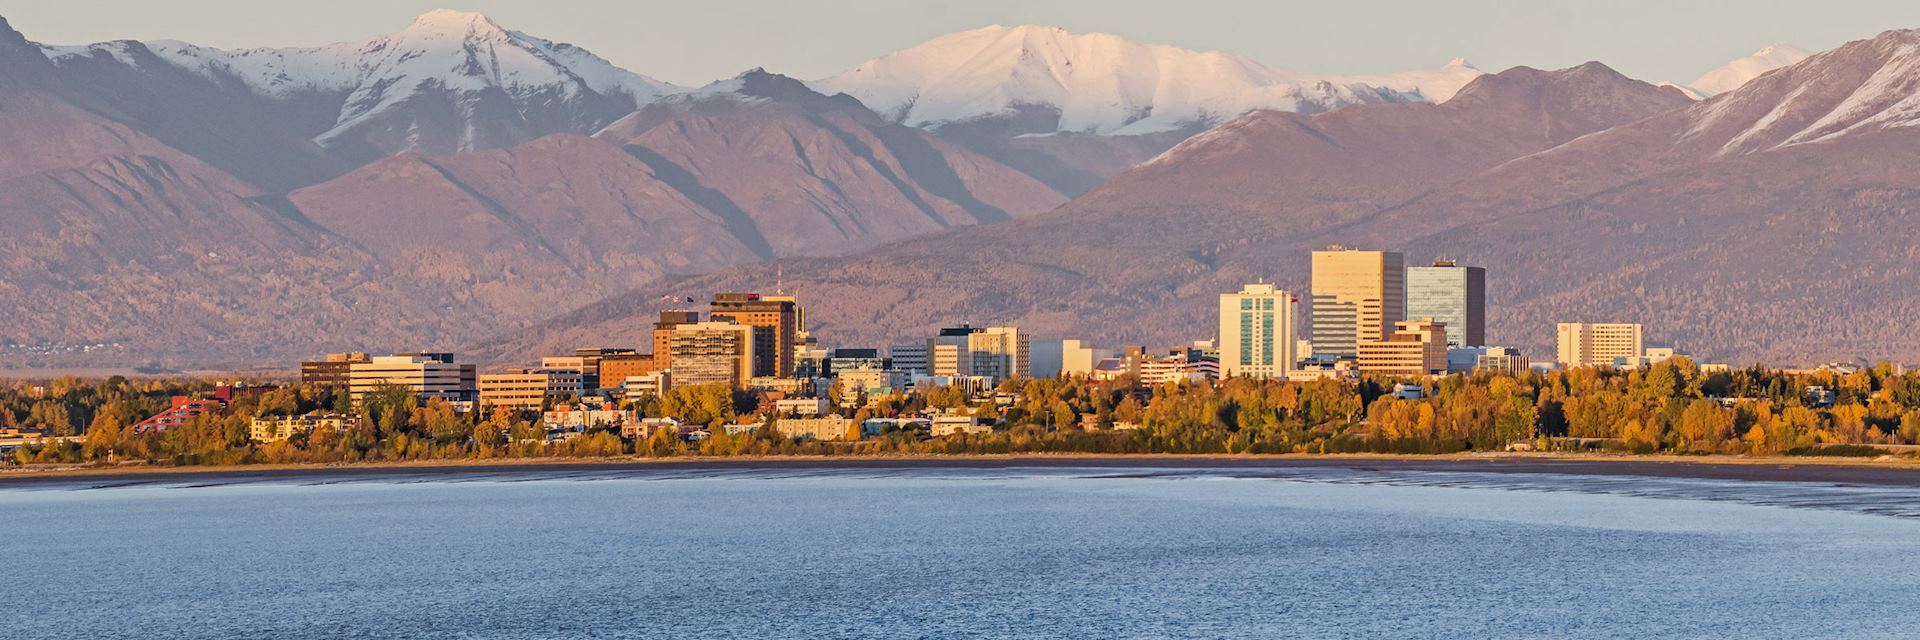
(1739,72)
(1862,87)
(1095,83)
(451,21)
(449,81)
(1431,85)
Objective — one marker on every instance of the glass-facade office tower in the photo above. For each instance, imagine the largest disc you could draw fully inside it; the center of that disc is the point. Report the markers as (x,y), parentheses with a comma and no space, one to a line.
(1357,296)
(1256,332)
(1452,295)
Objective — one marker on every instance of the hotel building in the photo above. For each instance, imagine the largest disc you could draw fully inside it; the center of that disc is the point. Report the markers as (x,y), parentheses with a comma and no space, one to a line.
(1256,332)
(1599,344)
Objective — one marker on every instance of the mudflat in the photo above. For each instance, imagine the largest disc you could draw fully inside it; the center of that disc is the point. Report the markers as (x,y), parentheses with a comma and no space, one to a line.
(1841,471)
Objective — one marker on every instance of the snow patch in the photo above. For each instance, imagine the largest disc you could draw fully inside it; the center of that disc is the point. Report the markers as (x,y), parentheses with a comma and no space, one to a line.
(1105,84)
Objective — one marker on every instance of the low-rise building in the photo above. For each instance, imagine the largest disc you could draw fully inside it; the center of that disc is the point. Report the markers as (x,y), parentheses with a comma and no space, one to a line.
(277,428)
(953,423)
(1323,370)
(1504,360)
(1416,348)
(568,417)
(741,428)
(801,406)
(867,380)
(786,386)
(427,375)
(616,369)
(1599,344)
(656,383)
(828,428)
(877,426)
(644,428)
(529,389)
(179,411)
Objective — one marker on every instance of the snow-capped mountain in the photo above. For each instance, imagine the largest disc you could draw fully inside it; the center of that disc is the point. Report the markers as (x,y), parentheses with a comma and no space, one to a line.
(1738,72)
(450,81)
(1863,87)
(1104,84)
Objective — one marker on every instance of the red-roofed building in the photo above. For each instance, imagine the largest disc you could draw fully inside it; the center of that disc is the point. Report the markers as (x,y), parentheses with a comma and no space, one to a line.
(184,408)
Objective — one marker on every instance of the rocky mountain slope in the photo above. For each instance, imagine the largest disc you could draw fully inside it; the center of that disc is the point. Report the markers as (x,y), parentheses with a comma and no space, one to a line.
(1768,223)
(153,195)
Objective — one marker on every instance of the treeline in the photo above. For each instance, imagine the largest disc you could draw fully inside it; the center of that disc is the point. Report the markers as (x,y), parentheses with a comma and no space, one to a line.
(1670,407)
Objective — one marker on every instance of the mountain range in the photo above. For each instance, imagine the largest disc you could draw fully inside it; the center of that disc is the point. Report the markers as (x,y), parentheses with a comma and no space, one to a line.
(1767,223)
(189,206)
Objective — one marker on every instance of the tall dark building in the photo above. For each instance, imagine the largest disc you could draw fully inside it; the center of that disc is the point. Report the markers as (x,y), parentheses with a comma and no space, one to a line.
(775,321)
(1452,295)
(334,371)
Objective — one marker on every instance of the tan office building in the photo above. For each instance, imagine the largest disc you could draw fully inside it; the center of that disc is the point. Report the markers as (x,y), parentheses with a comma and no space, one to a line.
(529,389)
(1357,296)
(663,336)
(1597,344)
(614,370)
(1000,352)
(1416,348)
(1256,332)
(712,353)
(431,375)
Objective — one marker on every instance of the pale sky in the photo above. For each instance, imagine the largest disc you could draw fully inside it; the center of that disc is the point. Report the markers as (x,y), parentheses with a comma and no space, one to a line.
(692,42)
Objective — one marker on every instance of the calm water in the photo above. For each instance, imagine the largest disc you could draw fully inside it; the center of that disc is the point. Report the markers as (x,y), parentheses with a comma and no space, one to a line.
(1058,553)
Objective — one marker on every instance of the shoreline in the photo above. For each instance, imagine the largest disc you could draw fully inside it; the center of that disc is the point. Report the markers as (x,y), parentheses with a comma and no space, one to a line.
(1737,468)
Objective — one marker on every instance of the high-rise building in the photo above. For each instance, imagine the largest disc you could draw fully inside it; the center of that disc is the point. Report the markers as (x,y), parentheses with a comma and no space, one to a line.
(1598,344)
(1357,296)
(776,321)
(663,333)
(1452,295)
(1256,332)
(428,375)
(712,353)
(967,350)
(529,389)
(910,357)
(1000,352)
(333,371)
(1416,348)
